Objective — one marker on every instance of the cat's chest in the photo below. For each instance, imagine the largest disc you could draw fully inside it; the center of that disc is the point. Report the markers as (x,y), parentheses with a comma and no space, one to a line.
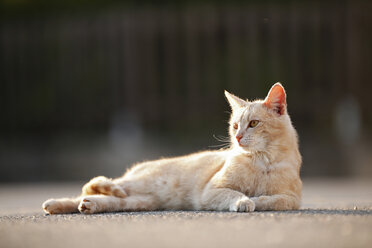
(256,177)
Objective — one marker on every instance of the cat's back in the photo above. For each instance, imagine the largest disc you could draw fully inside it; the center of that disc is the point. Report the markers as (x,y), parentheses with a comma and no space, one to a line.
(193,165)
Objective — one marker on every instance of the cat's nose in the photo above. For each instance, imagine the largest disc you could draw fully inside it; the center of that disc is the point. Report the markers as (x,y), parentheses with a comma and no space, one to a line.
(238,138)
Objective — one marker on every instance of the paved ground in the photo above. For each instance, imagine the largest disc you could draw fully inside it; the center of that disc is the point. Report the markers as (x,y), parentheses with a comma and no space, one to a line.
(335,213)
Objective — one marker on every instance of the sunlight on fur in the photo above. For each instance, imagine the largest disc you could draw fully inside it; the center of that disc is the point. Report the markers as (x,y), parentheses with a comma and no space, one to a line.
(259,171)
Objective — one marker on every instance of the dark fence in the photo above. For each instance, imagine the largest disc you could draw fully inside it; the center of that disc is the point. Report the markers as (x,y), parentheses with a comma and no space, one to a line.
(168,67)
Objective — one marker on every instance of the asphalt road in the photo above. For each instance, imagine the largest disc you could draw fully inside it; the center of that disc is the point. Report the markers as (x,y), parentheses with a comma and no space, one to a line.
(335,213)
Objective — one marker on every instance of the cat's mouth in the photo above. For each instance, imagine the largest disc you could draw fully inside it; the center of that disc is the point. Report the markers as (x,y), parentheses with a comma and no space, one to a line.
(245,144)
(242,145)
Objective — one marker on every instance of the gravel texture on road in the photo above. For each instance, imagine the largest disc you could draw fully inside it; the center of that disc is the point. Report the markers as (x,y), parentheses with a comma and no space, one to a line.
(334,214)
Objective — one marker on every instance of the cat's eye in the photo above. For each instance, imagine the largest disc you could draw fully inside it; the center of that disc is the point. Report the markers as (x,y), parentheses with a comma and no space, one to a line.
(235,125)
(253,123)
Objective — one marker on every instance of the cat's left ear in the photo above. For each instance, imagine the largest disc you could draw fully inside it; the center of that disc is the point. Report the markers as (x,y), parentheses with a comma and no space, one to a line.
(234,101)
(276,99)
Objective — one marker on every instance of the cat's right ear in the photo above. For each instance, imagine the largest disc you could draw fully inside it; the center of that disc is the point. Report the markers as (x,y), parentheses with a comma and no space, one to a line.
(234,101)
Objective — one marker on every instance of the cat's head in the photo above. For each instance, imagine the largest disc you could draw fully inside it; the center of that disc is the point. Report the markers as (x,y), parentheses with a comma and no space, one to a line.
(258,125)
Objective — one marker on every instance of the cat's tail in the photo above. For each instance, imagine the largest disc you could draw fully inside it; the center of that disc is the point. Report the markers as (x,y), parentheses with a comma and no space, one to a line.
(62,205)
(103,186)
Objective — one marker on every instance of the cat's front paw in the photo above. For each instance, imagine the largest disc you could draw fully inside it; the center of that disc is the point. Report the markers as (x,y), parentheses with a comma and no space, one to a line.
(242,205)
(88,206)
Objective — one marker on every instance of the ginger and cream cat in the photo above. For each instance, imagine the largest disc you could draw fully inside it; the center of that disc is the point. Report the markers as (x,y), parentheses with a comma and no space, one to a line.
(260,170)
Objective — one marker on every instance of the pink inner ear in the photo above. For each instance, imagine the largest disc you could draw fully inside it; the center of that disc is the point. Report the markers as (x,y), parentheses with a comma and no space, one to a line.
(276,99)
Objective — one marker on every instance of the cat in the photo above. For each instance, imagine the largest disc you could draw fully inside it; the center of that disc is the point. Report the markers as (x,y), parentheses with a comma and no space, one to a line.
(259,171)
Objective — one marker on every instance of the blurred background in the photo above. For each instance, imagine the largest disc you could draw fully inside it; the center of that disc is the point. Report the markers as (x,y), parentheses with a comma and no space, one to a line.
(89,87)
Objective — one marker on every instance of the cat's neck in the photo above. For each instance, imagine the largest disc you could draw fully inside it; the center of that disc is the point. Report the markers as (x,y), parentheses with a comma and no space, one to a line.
(265,156)
(275,152)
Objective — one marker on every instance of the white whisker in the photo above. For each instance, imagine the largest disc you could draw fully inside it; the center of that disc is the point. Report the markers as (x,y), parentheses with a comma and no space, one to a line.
(225,142)
(221,138)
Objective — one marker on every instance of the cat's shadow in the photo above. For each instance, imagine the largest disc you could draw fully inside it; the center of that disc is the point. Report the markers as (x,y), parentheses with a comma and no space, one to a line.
(321,211)
(193,214)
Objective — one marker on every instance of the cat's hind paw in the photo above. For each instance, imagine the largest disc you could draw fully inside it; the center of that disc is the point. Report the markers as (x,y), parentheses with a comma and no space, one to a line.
(60,206)
(87,206)
(243,205)
(51,207)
